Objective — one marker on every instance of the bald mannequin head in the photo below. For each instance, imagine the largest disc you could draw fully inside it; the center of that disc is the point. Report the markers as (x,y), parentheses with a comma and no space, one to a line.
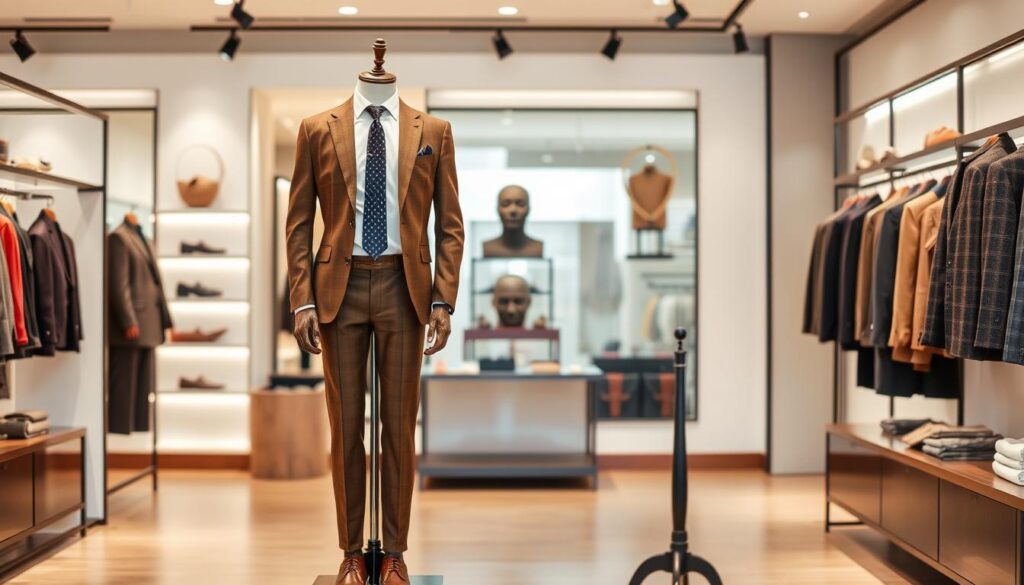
(513,207)
(511,300)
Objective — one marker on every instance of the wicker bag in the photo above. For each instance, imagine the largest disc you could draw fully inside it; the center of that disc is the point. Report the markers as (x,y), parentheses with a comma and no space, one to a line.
(199,190)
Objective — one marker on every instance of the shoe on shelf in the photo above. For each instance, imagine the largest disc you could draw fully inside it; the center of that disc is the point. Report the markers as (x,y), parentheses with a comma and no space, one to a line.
(196,335)
(394,571)
(940,135)
(352,570)
(200,247)
(197,289)
(199,383)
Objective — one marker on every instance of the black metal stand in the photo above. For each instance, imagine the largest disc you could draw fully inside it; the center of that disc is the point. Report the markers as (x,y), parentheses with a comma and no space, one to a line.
(678,561)
(374,555)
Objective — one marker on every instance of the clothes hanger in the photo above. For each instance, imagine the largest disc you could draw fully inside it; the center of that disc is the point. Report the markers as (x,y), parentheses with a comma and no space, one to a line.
(48,210)
(131,219)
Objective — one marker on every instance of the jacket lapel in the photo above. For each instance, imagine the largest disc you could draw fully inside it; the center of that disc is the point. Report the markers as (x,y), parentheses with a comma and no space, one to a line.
(410,127)
(343,133)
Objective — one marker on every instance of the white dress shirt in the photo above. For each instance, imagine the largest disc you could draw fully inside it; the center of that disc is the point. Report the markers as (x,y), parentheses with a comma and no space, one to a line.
(389,121)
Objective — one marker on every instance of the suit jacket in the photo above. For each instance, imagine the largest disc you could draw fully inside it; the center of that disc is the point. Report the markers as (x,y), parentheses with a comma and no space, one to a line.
(73,334)
(866,266)
(1003,186)
(325,170)
(52,286)
(930,219)
(907,258)
(964,252)
(849,256)
(135,293)
(28,287)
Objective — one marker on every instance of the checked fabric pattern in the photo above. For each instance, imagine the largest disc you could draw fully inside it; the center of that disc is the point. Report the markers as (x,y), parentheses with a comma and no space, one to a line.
(375,212)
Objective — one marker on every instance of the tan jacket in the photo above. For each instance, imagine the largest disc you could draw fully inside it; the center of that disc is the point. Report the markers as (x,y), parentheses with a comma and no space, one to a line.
(865,262)
(930,220)
(907,258)
(325,170)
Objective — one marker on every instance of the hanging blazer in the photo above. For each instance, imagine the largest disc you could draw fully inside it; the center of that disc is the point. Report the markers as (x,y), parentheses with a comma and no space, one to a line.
(28,288)
(56,287)
(325,170)
(135,293)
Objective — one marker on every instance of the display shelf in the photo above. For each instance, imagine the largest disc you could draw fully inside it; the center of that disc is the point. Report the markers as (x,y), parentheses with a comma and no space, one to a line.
(206,301)
(42,183)
(202,211)
(203,257)
(927,156)
(201,392)
(519,466)
(11,448)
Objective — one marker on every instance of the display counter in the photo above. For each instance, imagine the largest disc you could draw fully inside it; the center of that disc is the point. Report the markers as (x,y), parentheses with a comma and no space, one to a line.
(509,425)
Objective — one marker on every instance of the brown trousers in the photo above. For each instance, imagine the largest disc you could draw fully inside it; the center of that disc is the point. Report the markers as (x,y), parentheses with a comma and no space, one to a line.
(377,301)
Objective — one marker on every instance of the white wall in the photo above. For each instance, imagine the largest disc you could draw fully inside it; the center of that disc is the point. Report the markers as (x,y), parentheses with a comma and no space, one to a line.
(204,99)
(927,38)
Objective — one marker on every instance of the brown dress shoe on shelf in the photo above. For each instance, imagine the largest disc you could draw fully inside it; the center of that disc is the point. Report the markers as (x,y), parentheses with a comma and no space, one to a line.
(352,571)
(196,335)
(394,571)
(200,383)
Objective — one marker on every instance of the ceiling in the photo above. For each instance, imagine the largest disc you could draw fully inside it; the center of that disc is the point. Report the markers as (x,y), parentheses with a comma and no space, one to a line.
(762,16)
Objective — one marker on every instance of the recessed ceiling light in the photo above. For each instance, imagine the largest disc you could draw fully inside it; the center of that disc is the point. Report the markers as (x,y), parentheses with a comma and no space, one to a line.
(508,11)
(348,10)
(803,14)
(660,2)
(223,2)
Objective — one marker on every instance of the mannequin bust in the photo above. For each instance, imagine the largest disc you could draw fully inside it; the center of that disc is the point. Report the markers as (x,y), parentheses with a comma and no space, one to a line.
(650,190)
(513,208)
(511,300)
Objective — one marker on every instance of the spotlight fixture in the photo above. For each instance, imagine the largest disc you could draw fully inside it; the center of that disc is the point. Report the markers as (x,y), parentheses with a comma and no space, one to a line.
(739,40)
(348,10)
(243,18)
(501,45)
(223,2)
(803,15)
(508,11)
(611,48)
(679,14)
(230,47)
(20,45)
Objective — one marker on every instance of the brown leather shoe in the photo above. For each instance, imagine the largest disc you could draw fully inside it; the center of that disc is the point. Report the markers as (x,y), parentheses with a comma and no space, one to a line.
(352,571)
(394,571)
(196,335)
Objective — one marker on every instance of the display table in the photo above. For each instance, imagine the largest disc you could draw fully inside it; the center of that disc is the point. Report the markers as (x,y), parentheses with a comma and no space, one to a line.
(508,425)
(289,433)
(955,516)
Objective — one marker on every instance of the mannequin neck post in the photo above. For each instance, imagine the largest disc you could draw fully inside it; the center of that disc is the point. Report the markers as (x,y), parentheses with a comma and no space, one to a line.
(376,93)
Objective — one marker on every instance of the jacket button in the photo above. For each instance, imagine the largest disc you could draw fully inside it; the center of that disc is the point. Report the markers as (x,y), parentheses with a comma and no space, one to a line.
(348,260)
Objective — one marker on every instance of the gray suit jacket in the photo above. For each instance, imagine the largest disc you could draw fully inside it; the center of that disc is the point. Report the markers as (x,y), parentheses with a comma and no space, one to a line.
(135,291)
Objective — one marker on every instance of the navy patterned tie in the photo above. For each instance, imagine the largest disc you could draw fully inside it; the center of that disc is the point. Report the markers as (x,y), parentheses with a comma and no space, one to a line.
(375,211)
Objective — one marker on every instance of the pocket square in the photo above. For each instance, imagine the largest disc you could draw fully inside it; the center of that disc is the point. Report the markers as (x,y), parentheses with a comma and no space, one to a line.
(425,151)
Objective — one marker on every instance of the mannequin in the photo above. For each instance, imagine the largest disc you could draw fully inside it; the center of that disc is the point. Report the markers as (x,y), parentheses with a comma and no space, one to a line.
(513,208)
(511,300)
(649,190)
(378,168)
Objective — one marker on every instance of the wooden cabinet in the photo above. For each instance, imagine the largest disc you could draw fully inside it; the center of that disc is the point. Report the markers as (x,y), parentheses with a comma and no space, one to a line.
(58,479)
(978,536)
(15,496)
(855,478)
(910,500)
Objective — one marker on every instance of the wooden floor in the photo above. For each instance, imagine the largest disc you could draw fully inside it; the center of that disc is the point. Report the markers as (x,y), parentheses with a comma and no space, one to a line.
(224,528)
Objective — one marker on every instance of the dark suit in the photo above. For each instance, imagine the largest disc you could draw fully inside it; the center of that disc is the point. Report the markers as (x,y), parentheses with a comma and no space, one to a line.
(56,280)
(28,288)
(135,298)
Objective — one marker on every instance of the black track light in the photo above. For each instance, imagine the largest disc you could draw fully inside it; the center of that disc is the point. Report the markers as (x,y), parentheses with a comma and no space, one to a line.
(611,48)
(230,47)
(679,14)
(243,18)
(501,45)
(20,45)
(739,40)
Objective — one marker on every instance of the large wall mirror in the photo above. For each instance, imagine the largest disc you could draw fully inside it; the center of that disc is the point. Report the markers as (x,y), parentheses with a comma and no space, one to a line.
(608,253)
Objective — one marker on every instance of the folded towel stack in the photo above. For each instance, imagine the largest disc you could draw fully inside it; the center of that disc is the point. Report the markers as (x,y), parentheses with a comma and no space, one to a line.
(1009,460)
(25,424)
(902,426)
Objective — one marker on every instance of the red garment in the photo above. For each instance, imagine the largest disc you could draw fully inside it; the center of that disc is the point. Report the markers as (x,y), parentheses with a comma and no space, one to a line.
(12,251)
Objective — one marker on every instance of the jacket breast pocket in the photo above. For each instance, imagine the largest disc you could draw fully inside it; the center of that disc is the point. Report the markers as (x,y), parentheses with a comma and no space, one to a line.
(425,253)
(323,254)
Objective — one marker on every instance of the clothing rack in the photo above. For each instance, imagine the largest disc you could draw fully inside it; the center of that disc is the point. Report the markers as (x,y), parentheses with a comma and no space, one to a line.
(895,169)
(25,196)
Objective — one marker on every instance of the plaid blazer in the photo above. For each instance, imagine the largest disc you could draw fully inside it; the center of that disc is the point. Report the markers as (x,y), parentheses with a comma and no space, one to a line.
(936,332)
(964,256)
(1000,214)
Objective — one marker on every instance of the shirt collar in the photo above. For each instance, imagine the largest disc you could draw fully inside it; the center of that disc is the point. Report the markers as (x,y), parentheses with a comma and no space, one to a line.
(359,104)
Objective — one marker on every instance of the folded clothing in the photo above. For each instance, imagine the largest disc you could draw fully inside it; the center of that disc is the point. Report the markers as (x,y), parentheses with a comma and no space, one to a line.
(23,429)
(902,426)
(977,443)
(1011,449)
(29,415)
(944,431)
(957,454)
(1004,460)
(1008,473)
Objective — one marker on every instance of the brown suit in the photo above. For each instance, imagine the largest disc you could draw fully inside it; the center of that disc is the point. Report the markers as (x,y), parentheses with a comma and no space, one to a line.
(325,169)
(907,258)
(390,297)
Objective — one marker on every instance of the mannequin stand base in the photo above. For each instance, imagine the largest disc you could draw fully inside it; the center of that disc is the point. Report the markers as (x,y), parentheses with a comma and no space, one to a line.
(663,563)
(414,580)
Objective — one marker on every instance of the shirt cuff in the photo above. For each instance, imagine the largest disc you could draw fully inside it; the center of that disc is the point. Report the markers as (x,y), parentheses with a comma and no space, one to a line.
(303,308)
(437,304)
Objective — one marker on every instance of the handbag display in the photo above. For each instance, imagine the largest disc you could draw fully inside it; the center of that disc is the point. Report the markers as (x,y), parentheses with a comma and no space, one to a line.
(199,190)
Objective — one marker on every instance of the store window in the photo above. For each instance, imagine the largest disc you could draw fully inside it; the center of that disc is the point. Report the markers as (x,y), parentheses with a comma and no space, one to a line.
(612,202)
